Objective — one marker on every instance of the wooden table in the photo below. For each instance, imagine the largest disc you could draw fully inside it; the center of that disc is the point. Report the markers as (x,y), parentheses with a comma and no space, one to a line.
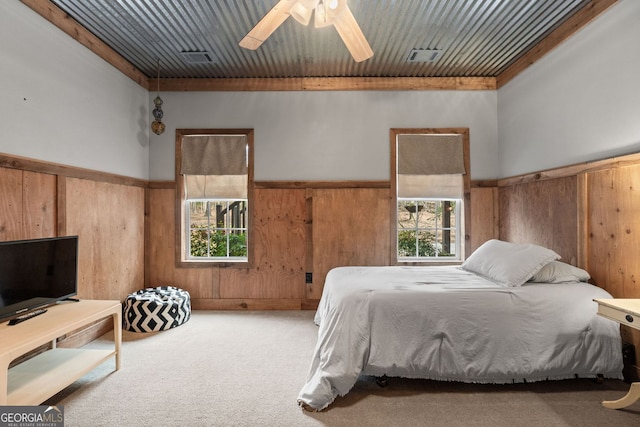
(625,311)
(35,380)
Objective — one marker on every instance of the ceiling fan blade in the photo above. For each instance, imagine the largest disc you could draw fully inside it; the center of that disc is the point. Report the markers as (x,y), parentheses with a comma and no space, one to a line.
(267,25)
(352,35)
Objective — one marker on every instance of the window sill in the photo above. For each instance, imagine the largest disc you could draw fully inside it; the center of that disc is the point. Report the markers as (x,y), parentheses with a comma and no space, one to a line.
(428,262)
(212,264)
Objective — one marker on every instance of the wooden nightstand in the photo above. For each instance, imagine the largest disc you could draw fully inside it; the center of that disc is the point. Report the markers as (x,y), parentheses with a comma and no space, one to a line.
(625,311)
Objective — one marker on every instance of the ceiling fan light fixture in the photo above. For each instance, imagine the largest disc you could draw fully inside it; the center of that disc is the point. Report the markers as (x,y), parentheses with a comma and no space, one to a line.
(302,11)
(321,15)
(327,12)
(301,14)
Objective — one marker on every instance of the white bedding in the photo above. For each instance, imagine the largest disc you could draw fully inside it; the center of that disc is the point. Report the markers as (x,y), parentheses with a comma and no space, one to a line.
(445,323)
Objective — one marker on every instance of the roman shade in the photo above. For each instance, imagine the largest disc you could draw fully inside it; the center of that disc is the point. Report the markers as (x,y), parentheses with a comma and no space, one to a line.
(214,166)
(430,166)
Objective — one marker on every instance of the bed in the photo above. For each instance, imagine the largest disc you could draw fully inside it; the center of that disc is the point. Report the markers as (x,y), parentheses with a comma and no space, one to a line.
(510,313)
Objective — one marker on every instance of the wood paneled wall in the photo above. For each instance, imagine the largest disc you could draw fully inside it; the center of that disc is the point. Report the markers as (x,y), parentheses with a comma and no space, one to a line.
(38,199)
(613,229)
(589,214)
(127,233)
(109,220)
(276,280)
(298,228)
(350,227)
(542,212)
(485,216)
(27,204)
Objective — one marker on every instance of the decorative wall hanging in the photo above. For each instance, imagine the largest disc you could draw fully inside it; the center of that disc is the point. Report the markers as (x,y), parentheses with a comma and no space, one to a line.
(157,126)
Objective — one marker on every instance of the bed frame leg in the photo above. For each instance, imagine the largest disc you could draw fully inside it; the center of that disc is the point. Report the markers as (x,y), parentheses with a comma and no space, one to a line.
(599,379)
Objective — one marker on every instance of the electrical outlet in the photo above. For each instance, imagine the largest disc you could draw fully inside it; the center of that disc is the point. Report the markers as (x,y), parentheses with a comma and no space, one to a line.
(308,277)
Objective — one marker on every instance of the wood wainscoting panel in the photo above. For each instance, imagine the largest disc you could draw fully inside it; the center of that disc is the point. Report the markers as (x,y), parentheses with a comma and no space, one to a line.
(39,201)
(542,212)
(160,256)
(613,217)
(109,220)
(485,216)
(350,227)
(27,205)
(11,225)
(279,232)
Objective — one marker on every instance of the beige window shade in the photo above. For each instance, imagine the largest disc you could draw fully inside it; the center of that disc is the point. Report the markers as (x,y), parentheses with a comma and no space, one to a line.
(215,186)
(435,186)
(214,155)
(215,166)
(430,166)
(430,154)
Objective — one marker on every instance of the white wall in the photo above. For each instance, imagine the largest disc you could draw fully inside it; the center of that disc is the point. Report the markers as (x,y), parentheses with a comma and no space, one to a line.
(61,103)
(581,102)
(328,135)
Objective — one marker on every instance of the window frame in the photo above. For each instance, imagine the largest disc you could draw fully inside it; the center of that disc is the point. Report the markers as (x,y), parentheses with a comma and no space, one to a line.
(466,208)
(181,229)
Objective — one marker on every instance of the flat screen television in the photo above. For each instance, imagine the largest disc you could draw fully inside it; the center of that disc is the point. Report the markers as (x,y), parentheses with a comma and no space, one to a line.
(37,273)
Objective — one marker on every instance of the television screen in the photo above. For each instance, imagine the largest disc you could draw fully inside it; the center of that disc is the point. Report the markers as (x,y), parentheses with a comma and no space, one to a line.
(35,273)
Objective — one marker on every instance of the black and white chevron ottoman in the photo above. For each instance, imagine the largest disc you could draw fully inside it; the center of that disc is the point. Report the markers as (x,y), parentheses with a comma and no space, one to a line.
(156,309)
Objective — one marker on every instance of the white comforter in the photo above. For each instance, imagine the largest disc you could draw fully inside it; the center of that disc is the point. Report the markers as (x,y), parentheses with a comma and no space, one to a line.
(445,323)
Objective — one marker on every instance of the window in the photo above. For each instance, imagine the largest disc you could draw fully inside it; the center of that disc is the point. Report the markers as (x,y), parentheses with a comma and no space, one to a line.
(214,177)
(429,183)
(217,229)
(428,229)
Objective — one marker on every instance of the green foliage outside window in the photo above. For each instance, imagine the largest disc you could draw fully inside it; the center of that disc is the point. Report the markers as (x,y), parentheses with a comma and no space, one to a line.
(426,244)
(218,248)
(407,244)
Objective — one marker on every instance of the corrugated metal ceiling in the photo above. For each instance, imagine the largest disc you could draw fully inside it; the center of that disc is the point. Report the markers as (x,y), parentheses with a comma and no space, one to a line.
(478,38)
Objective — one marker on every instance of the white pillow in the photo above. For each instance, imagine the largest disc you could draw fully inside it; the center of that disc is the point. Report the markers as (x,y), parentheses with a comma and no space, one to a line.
(560,272)
(510,264)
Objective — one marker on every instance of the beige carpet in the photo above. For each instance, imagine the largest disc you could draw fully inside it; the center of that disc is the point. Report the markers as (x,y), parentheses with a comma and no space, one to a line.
(246,368)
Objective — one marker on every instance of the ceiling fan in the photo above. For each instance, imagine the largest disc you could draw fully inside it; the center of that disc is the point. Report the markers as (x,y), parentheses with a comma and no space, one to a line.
(327,12)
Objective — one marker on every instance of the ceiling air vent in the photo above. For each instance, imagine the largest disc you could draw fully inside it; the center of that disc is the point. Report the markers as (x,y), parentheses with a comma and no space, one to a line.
(196,57)
(424,55)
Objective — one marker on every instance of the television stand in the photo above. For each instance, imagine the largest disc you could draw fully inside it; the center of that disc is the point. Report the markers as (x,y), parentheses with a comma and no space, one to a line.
(42,376)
